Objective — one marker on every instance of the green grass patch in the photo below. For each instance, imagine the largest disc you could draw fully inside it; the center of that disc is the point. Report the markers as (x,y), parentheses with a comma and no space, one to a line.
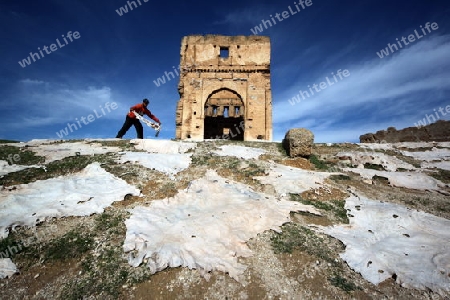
(442,175)
(71,245)
(8,141)
(338,281)
(281,149)
(201,160)
(418,149)
(405,158)
(340,211)
(65,166)
(232,163)
(125,145)
(380,179)
(374,167)
(336,207)
(169,189)
(297,237)
(9,247)
(319,164)
(107,221)
(253,170)
(319,204)
(216,162)
(444,207)
(20,156)
(339,177)
(103,275)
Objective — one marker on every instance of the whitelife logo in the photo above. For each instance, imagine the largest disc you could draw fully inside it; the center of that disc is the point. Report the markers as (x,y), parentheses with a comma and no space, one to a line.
(319,87)
(431,118)
(124,9)
(411,38)
(13,158)
(170,75)
(266,24)
(162,80)
(53,47)
(89,119)
(13,250)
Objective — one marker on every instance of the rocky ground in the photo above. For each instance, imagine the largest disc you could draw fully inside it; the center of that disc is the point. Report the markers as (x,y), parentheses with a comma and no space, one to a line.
(82,257)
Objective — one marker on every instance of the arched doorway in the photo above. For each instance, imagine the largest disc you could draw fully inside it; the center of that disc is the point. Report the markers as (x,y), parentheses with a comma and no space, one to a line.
(224,116)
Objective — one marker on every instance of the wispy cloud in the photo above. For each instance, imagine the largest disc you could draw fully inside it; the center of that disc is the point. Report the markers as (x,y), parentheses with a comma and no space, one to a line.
(418,74)
(247,16)
(31,81)
(43,103)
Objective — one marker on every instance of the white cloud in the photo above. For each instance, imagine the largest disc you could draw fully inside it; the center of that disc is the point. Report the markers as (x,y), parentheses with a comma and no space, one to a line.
(245,16)
(47,103)
(396,82)
(32,81)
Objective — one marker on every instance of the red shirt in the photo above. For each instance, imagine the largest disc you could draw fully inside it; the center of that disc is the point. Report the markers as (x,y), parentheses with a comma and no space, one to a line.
(141,109)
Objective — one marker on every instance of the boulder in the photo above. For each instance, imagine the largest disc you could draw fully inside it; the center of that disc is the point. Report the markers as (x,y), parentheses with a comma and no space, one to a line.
(298,142)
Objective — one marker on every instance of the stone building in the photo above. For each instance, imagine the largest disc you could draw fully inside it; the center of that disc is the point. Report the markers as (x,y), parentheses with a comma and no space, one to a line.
(224,88)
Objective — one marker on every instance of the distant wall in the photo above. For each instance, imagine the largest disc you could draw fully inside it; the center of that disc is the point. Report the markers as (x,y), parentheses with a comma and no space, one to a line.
(436,132)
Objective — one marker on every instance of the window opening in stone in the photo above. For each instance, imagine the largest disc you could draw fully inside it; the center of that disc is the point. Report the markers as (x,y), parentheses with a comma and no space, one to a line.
(236,111)
(225,112)
(224,52)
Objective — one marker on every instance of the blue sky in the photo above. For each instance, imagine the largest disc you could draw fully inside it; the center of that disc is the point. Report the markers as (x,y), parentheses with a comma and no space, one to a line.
(118,58)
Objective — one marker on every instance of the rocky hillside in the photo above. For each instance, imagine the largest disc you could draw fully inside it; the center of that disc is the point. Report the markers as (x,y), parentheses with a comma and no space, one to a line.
(435,132)
(159,219)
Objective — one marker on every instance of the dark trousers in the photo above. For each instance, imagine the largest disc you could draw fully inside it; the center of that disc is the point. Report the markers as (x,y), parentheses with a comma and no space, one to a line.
(128,123)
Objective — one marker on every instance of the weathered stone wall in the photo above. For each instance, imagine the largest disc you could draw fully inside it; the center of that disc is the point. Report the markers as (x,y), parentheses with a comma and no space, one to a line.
(224,94)
(436,132)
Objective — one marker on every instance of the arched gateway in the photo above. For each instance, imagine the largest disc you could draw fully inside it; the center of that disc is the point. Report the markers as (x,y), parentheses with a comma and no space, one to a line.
(224,116)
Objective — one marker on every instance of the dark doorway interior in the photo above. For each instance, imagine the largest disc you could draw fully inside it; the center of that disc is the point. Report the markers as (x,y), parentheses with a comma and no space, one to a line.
(223,128)
(224,116)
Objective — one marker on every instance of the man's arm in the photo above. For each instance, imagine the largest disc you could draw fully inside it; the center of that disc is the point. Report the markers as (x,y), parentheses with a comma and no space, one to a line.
(152,116)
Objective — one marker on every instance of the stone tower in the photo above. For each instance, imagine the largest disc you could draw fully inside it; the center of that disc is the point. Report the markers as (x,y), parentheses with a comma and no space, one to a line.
(224,88)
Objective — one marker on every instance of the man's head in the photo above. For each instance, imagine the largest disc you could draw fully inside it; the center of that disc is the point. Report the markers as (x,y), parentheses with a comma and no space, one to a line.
(145,101)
